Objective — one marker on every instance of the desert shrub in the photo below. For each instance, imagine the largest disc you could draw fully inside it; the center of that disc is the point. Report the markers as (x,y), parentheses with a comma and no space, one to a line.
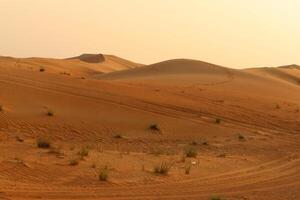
(118,136)
(103,173)
(162,168)
(218,120)
(83,152)
(154,127)
(42,142)
(73,161)
(241,137)
(50,113)
(42,69)
(187,168)
(215,198)
(190,151)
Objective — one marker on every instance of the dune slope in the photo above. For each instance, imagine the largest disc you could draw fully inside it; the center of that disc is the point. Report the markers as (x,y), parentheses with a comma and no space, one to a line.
(244,124)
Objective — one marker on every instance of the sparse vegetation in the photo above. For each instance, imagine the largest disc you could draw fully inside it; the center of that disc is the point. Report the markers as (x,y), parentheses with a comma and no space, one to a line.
(187,168)
(241,137)
(42,142)
(218,120)
(118,136)
(103,173)
(19,139)
(73,161)
(50,113)
(215,198)
(83,152)
(42,69)
(190,151)
(162,168)
(154,127)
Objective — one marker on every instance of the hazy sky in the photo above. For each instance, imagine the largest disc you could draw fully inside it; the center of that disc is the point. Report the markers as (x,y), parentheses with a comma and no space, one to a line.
(234,33)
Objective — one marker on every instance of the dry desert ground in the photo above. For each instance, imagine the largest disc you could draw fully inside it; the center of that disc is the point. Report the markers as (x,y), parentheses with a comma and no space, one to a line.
(102,127)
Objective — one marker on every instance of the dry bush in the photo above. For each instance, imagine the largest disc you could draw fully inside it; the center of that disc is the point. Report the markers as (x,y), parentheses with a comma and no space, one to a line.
(190,151)
(103,173)
(162,168)
(43,142)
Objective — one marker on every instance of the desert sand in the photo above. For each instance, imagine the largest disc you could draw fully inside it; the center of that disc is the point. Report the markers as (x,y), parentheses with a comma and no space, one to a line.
(101,114)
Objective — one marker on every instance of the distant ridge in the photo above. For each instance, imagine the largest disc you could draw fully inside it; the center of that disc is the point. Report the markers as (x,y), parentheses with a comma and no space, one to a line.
(90,58)
(293,66)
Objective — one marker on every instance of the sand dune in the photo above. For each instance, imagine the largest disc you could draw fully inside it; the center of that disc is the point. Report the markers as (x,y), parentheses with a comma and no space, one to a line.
(84,65)
(244,124)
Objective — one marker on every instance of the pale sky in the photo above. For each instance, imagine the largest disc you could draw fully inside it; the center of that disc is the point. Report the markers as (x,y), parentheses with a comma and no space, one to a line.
(233,33)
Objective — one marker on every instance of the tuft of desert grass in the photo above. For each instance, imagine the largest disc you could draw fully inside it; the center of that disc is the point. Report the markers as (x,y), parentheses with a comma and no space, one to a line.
(43,142)
(83,152)
(50,113)
(215,198)
(154,127)
(73,161)
(103,173)
(187,168)
(190,151)
(162,168)
(118,136)
(218,120)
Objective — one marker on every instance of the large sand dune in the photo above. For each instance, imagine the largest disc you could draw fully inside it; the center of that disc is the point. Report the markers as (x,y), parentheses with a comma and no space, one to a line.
(244,124)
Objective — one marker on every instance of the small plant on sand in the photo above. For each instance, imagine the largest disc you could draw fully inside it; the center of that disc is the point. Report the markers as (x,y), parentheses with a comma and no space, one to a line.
(218,120)
(73,161)
(42,142)
(83,152)
(50,113)
(154,127)
(162,168)
(215,198)
(118,136)
(241,137)
(42,69)
(187,168)
(103,173)
(190,151)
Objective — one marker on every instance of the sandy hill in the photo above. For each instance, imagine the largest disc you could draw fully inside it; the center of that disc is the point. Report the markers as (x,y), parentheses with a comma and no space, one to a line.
(83,65)
(188,71)
(289,73)
(244,124)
